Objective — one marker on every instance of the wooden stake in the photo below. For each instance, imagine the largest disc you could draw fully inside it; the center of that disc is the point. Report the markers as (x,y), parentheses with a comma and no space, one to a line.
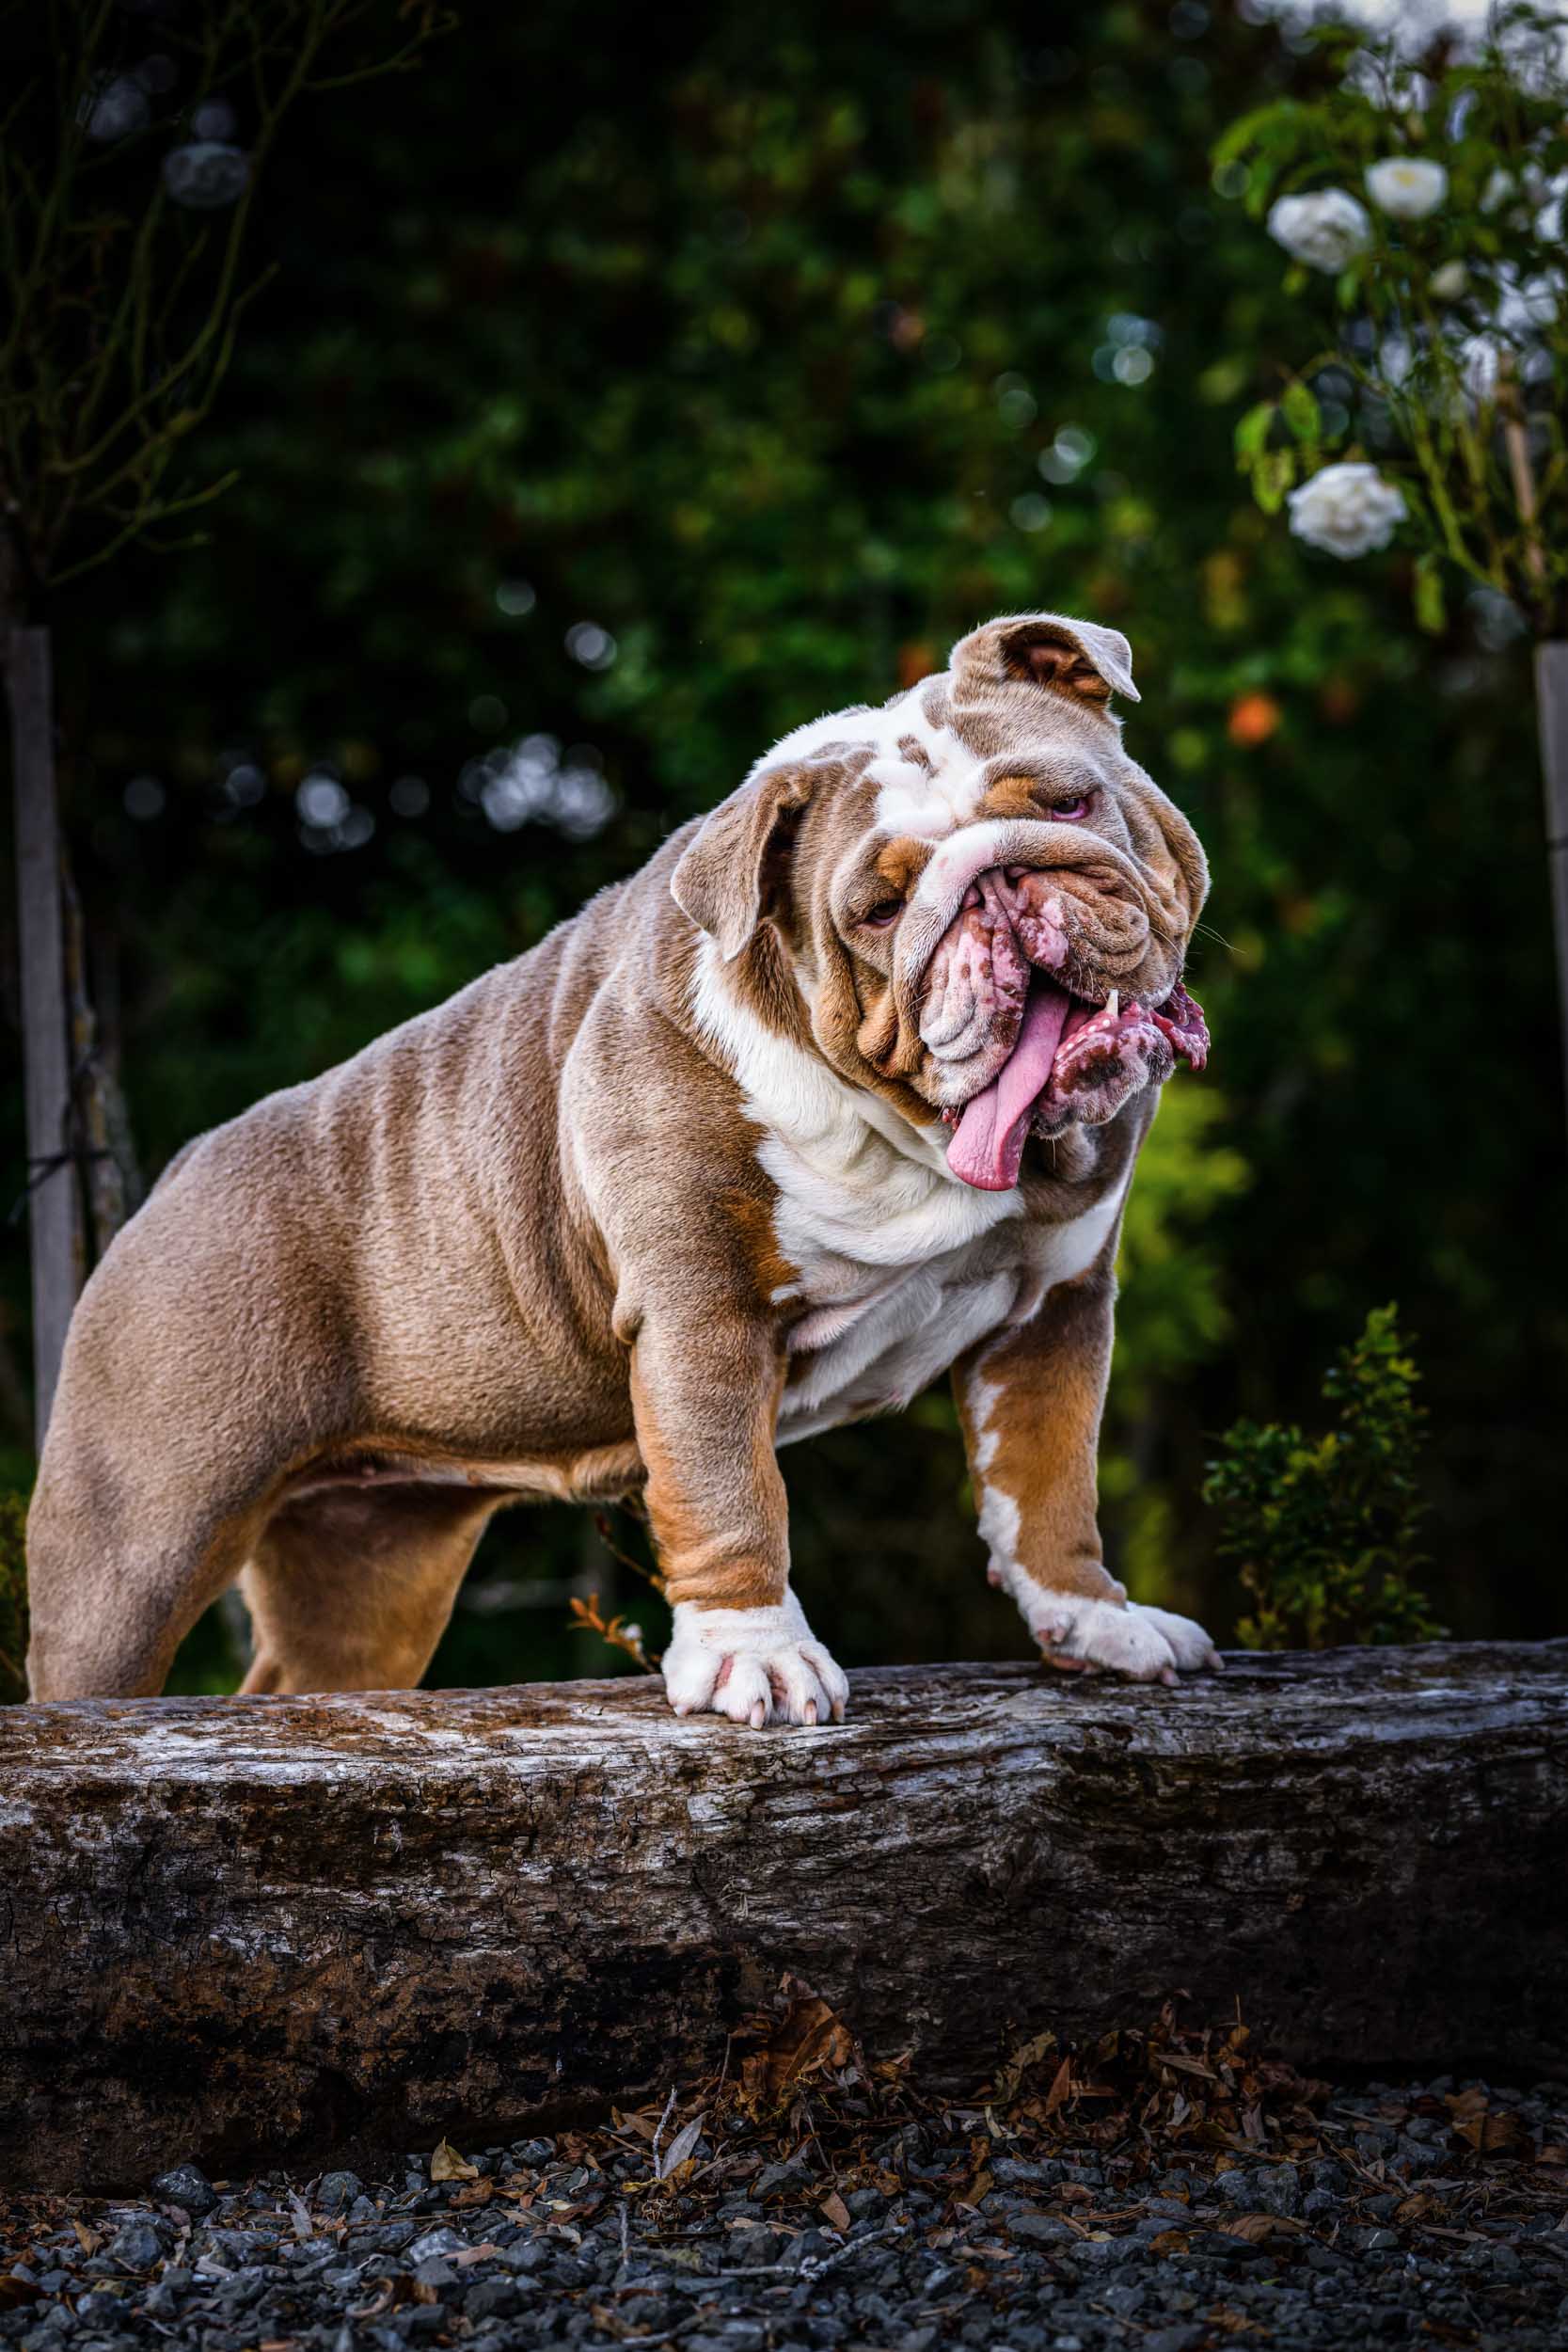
(1551,700)
(51,1203)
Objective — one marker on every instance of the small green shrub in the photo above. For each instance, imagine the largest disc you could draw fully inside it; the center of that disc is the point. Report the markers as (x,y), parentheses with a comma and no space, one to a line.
(13,1598)
(1326,1529)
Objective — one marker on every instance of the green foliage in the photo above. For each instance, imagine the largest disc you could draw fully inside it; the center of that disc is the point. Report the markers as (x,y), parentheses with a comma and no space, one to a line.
(1445,350)
(1324,1530)
(122,303)
(13,1598)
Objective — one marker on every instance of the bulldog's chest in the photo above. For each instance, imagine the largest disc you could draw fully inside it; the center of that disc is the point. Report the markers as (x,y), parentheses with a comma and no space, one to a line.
(897,1281)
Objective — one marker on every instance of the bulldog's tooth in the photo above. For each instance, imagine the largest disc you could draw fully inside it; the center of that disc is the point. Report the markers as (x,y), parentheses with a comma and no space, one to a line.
(1113,1003)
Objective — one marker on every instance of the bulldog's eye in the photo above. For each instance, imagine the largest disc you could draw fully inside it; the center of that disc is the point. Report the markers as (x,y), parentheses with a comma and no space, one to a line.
(1070,812)
(885,913)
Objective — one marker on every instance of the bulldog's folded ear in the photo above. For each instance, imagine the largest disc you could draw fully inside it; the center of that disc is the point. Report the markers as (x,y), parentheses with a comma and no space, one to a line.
(728,875)
(1047,649)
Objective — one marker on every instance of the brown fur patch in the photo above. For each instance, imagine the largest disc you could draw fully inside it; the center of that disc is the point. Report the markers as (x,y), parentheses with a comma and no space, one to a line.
(1048,659)
(1030,1403)
(716,1500)
(901,862)
(877,1035)
(1015,796)
(771,1270)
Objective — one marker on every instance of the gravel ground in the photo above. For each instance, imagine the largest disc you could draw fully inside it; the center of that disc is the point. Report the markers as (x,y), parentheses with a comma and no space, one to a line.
(1167,2191)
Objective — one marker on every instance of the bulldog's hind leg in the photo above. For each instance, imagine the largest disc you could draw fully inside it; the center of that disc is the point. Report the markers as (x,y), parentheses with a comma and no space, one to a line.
(349,1589)
(119,1569)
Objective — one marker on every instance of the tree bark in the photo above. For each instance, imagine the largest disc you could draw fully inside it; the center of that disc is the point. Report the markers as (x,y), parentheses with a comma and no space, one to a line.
(53,1211)
(283,1928)
(1551,700)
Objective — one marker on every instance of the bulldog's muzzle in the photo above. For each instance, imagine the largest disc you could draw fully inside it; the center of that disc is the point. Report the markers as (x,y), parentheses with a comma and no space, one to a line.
(1022,1047)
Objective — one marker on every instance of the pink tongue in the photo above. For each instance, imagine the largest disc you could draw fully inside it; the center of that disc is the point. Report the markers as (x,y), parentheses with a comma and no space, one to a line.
(987,1143)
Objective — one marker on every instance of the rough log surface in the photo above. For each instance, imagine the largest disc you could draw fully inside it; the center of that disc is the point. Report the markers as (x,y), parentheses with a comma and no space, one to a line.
(278,1929)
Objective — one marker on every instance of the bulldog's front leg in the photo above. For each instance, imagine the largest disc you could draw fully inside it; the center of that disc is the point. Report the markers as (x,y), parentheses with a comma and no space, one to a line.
(705,1395)
(1030,1400)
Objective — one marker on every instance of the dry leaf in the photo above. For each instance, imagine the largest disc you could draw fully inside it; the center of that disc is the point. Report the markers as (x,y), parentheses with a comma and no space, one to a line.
(680,2147)
(472,2255)
(1060,2087)
(644,2121)
(447,2165)
(1188,2065)
(304,2226)
(1170,2242)
(475,2193)
(808,2039)
(88,2240)
(836,2211)
(1028,2054)
(1256,2229)
(1495,2132)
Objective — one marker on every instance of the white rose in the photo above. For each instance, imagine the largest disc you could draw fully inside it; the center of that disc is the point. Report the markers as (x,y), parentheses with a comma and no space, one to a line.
(1548,220)
(1406,188)
(1346,510)
(1499,187)
(1481,360)
(1525,305)
(1450,282)
(1326,229)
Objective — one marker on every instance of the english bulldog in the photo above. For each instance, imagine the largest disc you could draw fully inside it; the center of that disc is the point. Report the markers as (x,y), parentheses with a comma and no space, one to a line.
(842,1091)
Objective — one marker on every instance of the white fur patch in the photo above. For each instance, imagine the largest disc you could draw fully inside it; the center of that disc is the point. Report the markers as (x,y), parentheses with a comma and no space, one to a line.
(897,1259)
(1144,1644)
(926,793)
(1125,1638)
(755,1666)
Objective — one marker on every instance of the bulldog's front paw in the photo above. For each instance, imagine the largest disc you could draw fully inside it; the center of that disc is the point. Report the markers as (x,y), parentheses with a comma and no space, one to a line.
(1144,1644)
(755,1665)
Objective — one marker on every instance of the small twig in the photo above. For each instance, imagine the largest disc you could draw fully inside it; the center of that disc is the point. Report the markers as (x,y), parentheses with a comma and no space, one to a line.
(810,2269)
(638,1567)
(587,1618)
(669,2110)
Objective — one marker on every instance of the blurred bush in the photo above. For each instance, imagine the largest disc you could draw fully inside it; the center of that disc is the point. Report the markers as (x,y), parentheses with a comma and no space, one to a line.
(1326,1530)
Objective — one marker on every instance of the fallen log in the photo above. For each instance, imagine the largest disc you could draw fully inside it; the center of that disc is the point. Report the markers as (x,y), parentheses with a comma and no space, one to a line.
(270,1929)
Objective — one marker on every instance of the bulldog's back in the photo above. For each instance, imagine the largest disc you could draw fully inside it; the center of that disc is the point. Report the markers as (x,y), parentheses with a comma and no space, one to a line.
(401,1231)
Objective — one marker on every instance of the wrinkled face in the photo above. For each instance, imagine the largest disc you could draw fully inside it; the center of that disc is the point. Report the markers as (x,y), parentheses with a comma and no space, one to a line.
(988,902)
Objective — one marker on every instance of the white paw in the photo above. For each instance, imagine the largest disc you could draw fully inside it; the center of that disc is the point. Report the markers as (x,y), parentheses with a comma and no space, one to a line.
(755,1666)
(1190,1646)
(1145,1644)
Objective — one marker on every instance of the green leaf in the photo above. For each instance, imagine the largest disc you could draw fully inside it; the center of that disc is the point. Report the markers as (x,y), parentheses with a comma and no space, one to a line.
(1252,434)
(1431,611)
(1271,476)
(1301,413)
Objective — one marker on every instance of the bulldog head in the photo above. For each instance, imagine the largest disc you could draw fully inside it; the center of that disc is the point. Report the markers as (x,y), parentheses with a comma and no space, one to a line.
(970,899)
